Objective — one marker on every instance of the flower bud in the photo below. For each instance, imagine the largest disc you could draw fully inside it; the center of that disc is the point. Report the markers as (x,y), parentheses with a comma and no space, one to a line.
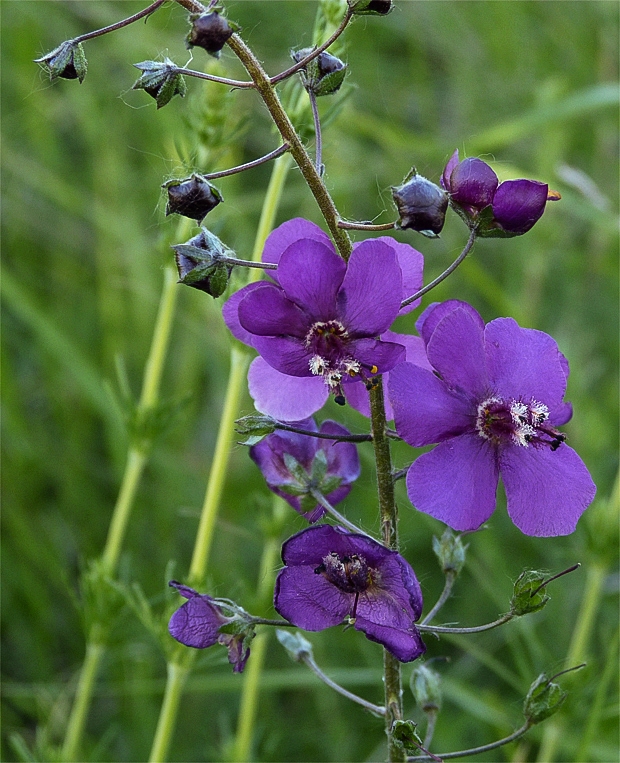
(450,551)
(528,595)
(421,205)
(295,644)
(209,31)
(543,699)
(200,264)
(324,74)
(193,197)
(66,61)
(425,686)
(254,427)
(371,7)
(161,80)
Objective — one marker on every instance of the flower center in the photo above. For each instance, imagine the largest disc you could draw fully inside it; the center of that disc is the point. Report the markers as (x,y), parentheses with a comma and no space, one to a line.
(332,359)
(517,422)
(350,574)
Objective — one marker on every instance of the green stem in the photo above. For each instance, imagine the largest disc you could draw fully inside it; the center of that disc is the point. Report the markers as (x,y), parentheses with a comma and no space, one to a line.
(250,693)
(239,361)
(81,704)
(177,675)
(389,529)
(136,461)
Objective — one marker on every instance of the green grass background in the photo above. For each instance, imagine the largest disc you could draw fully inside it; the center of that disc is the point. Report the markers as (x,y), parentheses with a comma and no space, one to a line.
(530,86)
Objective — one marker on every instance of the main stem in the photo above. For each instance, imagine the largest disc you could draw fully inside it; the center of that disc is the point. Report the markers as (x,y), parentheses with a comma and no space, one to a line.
(389,532)
(267,92)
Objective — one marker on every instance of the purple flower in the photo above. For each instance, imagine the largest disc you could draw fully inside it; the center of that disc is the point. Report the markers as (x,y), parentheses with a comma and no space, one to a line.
(294,464)
(318,323)
(332,575)
(497,209)
(198,622)
(493,404)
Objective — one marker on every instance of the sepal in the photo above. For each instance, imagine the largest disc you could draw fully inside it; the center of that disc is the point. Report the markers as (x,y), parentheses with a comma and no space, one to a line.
(450,551)
(425,685)
(210,31)
(67,61)
(529,594)
(295,644)
(543,699)
(161,80)
(194,197)
(371,7)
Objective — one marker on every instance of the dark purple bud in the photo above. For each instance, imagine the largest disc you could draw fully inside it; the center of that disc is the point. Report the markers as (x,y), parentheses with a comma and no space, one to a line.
(161,80)
(209,31)
(371,7)
(421,205)
(194,197)
(472,184)
(66,61)
(324,74)
(518,204)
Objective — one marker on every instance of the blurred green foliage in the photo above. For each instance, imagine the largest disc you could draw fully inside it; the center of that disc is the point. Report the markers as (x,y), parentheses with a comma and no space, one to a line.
(531,87)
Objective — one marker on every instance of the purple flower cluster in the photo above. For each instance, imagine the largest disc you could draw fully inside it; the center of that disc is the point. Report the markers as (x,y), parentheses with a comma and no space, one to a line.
(331,576)
(493,402)
(497,209)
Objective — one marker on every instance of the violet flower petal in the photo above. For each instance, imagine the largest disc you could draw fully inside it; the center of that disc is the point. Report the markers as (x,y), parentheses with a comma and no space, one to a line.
(357,395)
(370,296)
(425,410)
(411,264)
(374,352)
(456,482)
(309,600)
(473,183)
(284,397)
(342,457)
(547,491)
(405,645)
(196,623)
(311,275)
(525,364)
(230,312)
(432,315)
(519,204)
(456,350)
(288,233)
(445,177)
(284,353)
(268,312)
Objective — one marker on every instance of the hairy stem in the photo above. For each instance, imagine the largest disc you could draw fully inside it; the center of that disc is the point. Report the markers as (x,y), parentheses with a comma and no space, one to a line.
(234,83)
(324,435)
(120,24)
(347,225)
(320,498)
(475,750)
(445,595)
(289,135)
(476,629)
(374,709)
(249,165)
(389,518)
(448,271)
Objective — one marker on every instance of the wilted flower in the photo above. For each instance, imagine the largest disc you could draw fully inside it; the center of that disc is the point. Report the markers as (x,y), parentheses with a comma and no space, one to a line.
(493,404)
(193,197)
(209,31)
(316,328)
(421,205)
(294,464)
(199,624)
(499,210)
(332,576)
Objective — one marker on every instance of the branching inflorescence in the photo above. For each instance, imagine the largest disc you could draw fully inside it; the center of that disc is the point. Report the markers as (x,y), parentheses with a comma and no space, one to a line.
(490,396)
